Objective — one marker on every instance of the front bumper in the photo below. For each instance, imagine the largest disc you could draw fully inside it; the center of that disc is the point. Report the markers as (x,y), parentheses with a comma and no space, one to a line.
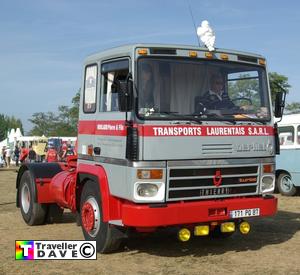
(192,212)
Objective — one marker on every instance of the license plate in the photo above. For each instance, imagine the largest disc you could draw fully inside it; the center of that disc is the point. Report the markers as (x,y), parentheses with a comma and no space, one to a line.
(242,213)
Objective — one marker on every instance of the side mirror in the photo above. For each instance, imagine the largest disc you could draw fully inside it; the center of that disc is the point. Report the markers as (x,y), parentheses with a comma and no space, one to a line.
(279,104)
(125,94)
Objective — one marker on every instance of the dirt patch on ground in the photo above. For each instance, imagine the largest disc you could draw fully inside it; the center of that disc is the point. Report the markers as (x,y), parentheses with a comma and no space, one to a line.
(272,247)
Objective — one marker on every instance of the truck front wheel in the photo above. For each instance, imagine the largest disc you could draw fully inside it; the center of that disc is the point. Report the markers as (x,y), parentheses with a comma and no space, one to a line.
(33,213)
(93,227)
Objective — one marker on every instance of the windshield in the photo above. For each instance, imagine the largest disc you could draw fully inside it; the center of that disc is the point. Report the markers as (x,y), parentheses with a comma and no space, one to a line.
(174,88)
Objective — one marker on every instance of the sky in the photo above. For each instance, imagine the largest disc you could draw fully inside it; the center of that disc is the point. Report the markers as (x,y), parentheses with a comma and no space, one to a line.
(43,43)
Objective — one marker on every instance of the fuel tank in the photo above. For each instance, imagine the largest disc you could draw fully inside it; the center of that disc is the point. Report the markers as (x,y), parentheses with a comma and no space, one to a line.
(62,189)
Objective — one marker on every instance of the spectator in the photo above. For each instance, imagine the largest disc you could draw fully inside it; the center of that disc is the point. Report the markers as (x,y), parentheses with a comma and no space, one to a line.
(63,152)
(51,155)
(70,151)
(4,155)
(31,154)
(1,161)
(24,154)
(17,155)
(8,156)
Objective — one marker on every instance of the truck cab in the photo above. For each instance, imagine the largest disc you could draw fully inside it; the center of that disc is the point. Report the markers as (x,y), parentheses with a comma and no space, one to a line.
(170,135)
(167,127)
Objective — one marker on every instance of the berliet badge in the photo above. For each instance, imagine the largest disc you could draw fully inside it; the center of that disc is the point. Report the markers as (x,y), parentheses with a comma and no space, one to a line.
(217,178)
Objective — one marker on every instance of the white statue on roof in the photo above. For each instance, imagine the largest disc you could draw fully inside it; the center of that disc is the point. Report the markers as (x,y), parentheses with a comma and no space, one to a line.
(207,35)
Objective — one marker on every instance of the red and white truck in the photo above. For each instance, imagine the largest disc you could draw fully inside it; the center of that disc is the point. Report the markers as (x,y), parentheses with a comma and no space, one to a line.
(153,153)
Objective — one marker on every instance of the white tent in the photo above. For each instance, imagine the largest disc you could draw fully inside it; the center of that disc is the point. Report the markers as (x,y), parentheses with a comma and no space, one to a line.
(18,133)
(12,137)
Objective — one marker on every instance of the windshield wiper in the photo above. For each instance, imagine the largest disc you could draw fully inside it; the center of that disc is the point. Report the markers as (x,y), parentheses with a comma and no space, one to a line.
(196,117)
(184,117)
(244,115)
(216,116)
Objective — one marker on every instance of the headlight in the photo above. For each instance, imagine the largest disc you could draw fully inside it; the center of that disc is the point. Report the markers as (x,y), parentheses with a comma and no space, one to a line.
(267,183)
(149,191)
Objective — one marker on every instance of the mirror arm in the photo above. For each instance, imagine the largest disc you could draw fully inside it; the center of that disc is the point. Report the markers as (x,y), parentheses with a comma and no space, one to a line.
(128,79)
(282,105)
(282,101)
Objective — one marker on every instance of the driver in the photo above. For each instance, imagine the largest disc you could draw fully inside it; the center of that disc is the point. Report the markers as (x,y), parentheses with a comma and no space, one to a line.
(146,99)
(215,98)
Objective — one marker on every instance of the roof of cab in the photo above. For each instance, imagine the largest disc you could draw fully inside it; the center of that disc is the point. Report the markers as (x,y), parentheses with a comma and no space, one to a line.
(128,49)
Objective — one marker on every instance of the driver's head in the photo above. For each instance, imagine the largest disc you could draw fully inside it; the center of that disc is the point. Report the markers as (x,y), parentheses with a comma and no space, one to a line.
(216,83)
(147,72)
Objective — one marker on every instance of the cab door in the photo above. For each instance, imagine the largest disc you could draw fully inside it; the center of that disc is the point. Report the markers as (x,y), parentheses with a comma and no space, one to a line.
(110,136)
(87,111)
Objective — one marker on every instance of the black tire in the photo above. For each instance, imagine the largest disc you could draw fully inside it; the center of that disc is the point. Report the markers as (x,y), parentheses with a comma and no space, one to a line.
(55,214)
(78,219)
(285,185)
(108,237)
(33,213)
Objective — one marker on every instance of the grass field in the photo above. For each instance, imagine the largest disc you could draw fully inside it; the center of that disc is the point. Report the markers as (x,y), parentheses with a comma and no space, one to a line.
(272,247)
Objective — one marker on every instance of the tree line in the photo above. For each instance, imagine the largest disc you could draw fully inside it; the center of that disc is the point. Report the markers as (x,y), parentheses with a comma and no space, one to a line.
(64,122)
(7,123)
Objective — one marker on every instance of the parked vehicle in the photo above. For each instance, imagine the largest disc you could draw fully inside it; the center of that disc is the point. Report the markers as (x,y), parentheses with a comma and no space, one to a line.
(152,154)
(287,163)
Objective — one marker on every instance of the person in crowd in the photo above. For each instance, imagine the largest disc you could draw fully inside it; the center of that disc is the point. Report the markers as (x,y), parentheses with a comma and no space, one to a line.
(17,154)
(8,156)
(70,151)
(1,161)
(24,154)
(4,155)
(67,151)
(51,155)
(31,155)
(63,152)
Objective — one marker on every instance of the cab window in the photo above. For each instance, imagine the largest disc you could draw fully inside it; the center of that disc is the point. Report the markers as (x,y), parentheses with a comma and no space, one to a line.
(90,89)
(111,73)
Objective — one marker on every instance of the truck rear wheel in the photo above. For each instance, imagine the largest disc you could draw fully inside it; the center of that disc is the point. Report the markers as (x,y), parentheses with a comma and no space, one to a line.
(91,216)
(33,213)
(285,185)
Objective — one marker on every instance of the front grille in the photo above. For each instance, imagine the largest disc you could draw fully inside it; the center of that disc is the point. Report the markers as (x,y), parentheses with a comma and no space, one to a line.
(214,149)
(201,182)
